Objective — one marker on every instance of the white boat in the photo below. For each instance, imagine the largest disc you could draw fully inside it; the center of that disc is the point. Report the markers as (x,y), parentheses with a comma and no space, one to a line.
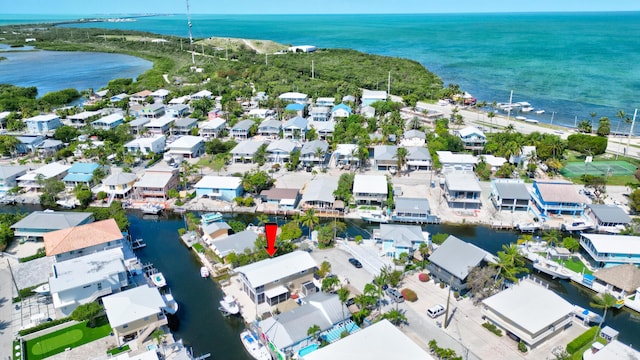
(528,227)
(523,104)
(42,289)
(204,272)
(539,112)
(253,345)
(531,121)
(576,226)
(527,109)
(586,315)
(66,204)
(521,118)
(229,305)
(375,217)
(158,279)
(171,304)
(152,209)
(552,268)
(208,218)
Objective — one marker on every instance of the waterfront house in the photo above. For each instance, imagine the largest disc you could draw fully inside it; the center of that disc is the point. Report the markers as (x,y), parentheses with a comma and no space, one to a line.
(246,150)
(80,174)
(318,194)
(237,243)
(320,113)
(297,109)
(280,199)
(325,129)
(294,97)
(285,331)
(295,128)
(9,175)
(398,239)
(49,147)
(28,143)
(136,126)
(160,95)
(452,261)
(140,97)
(529,311)
(610,250)
(53,170)
(384,157)
(494,162)
(145,145)
(370,189)
(380,340)
(202,94)
(413,138)
(214,230)
(177,110)
(557,197)
(118,185)
(35,225)
(80,240)
(119,97)
(608,218)
(509,194)
(109,122)
(371,96)
(212,128)
(156,182)
(187,146)
(81,119)
(612,351)
(280,151)
(308,155)
(84,279)
(159,126)
(418,158)
(184,126)
(347,154)
(462,191)
(42,124)
(270,128)
(219,187)
(154,110)
(456,162)
(242,129)
(413,210)
(135,313)
(473,138)
(272,280)
(340,111)
(621,281)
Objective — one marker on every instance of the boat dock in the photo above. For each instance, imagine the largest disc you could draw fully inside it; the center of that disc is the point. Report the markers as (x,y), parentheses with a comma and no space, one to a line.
(502,226)
(137,244)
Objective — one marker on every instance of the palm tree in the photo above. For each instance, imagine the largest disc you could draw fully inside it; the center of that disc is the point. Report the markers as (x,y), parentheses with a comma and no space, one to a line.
(395,316)
(330,283)
(262,219)
(551,237)
(401,158)
(309,219)
(343,295)
(509,129)
(313,330)
(491,115)
(603,301)
(510,262)
(415,123)
(593,115)
(319,154)
(380,281)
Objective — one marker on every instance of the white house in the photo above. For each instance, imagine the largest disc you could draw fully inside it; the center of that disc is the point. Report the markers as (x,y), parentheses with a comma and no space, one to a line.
(456,162)
(413,138)
(160,94)
(159,126)
(109,122)
(270,128)
(295,128)
(294,97)
(187,146)
(398,239)
(8,176)
(280,151)
(42,124)
(246,150)
(219,187)
(146,145)
(472,137)
(371,96)
(201,95)
(49,171)
(370,189)
(212,128)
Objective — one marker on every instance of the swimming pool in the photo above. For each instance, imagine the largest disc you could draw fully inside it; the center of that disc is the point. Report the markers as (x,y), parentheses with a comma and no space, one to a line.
(308,350)
(334,334)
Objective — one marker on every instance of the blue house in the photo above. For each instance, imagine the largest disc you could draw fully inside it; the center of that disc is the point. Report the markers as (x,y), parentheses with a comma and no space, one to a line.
(28,143)
(42,124)
(398,239)
(341,111)
(557,197)
(109,122)
(298,108)
(220,187)
(80,174)
(611,250)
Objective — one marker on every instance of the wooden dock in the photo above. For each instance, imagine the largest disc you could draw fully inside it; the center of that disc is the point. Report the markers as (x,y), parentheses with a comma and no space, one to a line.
(502,226)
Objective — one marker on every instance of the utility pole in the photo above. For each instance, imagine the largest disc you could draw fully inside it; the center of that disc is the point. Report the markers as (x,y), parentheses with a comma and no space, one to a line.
(509,109)
(389,84)
(313,71)
(193,59)
(633,122)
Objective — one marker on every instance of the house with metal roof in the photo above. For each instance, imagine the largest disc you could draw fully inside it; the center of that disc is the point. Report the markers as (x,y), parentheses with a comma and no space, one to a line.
(608,218)
(135,313)
(308,153)
(119,184)
(371,96)
(145,145)
(418,158)
(219,187)
(510,194)
(318,193)
(213,128)
(280,151)
(156,182)
(398,239)
(42,124)
(413,138)
(341,111)
(294,97)
(9,175)
(80,174)
(347,154)
(242,129)
(136,125)
(452,261)
(272,280)
(270,128)
(119,97)
(28,143)
(80,240)
(295,128)
(160,125)
(53,170)
(154,110)
(178,110)
(452,162)
(413,210)
(324,129)
(160,94)
(320,113)
(614,350)
(36,224)
(81,119)
(214,230)
(325,101)
(187,146)
(183,126)
(84,279)
(606,250)
(280,198)
(286,331)
(109,122)
(237,243)
(370,189)
(246,150)
(384,157)
(296,108)
(462,191)
(201,95)
(472,137)
(49,147)
(557,197)
(261,113)
(529,311)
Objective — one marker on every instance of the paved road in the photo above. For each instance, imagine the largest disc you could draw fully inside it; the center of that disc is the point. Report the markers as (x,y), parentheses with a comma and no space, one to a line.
(6,294)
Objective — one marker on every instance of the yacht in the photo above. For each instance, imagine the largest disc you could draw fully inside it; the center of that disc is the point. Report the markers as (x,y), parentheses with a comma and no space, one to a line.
(229,305)
(152,209)
(208,218)
(529,227)
(552,269)
(375,217)
(253,345)
(586,315)
(171,304)
(539,112)
(579,225)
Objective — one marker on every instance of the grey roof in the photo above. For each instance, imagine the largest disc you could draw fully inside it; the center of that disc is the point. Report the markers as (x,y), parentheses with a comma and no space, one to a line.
(418,153)
(321,189)
(235,243)
(402,235)
(133,304)
(52,220)
(154,106)
(9,171)
(247,147)
(215,226)
(269,270)
(296,123)
(138,122)
(285,145)
(49,143)
(184,122)
(410,134)
(609,213)
(510,190)
(311,146)
(457,257)
(243,125)
(119,178)
(462,182)
(93,268)
(385,152)
(270,123)
(412,205)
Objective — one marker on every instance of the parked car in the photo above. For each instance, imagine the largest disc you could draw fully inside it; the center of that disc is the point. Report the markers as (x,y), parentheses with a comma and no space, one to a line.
(394,294)
(384,286)
(355,262)
(350,302)
(435,311)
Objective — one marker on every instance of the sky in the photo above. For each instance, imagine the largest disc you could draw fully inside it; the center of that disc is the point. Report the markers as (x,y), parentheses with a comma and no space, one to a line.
(310,7)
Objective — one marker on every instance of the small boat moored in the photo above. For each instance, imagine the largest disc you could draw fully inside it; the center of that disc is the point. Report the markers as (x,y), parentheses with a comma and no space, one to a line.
(552,269)
(152,209)
(171,304)
(204,272)
(576,226)
(158,279)
(208,218)
(375,217)
(528,227)
(229,305)
(253,346)
(586,315)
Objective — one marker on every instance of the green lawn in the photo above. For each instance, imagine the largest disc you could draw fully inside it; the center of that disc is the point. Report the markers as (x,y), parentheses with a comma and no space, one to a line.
(574,264)
(578,354)
(71,337)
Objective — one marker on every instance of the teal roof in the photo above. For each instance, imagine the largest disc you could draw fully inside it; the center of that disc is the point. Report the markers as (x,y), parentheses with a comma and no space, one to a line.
(78,177)
(83,168)
(294,107)
(341,106)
